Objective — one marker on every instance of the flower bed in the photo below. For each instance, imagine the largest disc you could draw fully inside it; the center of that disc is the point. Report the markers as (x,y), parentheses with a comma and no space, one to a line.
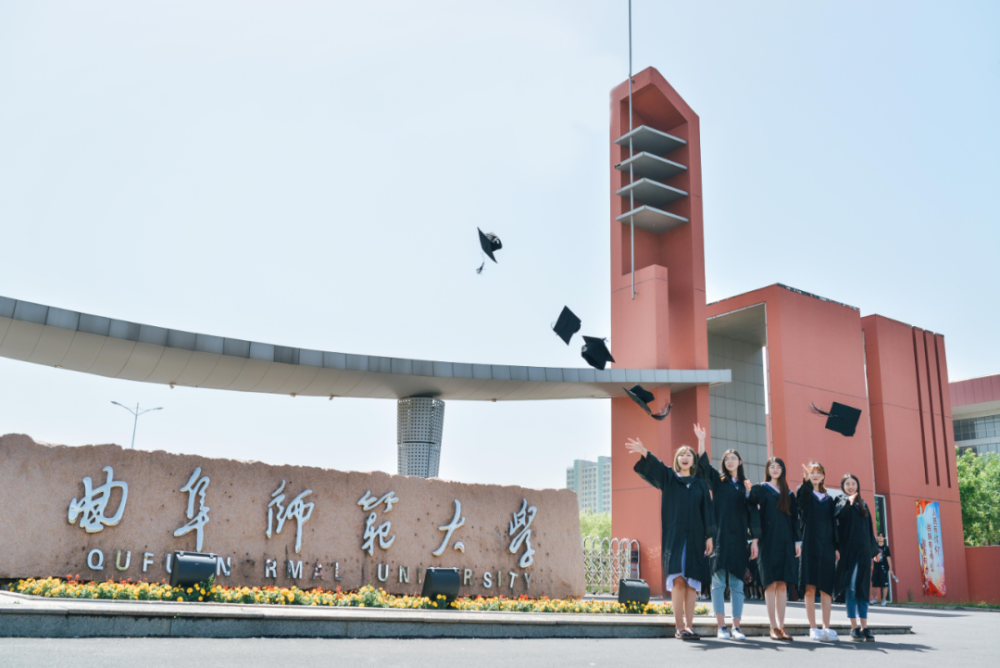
(366,597)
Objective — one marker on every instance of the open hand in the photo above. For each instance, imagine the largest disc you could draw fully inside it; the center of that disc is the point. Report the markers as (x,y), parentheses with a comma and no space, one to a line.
(753,549)
(636,446)
(699,431)
(708,546)
(805,473)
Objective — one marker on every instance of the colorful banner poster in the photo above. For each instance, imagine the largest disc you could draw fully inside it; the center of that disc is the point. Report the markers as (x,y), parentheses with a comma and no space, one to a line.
(931,554)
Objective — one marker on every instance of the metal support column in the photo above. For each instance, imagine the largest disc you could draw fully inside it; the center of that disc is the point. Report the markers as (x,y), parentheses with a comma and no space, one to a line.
(419,425)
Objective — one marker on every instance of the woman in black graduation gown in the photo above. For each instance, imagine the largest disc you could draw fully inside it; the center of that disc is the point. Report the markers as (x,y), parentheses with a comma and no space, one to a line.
(818,565)
(688,523)
(857,549)
(779,543)
(736,522)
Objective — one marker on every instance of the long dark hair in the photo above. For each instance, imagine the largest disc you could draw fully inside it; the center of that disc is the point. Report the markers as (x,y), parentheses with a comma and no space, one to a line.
(858,501)
(724,476)
(785,500)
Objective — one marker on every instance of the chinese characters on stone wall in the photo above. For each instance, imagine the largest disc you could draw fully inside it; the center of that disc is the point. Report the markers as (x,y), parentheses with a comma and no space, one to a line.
(92,511)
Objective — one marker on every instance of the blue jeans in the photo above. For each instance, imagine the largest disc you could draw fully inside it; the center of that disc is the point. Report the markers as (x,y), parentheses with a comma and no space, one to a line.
(856,607)
(719,593)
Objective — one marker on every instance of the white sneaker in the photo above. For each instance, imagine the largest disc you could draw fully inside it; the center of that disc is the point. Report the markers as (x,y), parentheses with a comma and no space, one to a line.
(830,635)
(737,634)
(817,634)
(723,634)
(885,603)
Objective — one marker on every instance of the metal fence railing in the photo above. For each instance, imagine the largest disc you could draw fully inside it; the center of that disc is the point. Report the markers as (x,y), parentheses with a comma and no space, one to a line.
(606,561)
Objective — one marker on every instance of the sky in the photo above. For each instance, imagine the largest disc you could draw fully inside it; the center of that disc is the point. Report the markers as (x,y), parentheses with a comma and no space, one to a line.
(311,174)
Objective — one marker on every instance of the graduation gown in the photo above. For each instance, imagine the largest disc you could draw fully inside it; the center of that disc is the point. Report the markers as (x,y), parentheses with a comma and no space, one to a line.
(818,565)
(779,533)
(736,521)
(686,518)
(857,547)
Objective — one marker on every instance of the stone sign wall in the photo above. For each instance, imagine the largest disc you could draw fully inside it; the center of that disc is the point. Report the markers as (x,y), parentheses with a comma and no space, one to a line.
(105,512)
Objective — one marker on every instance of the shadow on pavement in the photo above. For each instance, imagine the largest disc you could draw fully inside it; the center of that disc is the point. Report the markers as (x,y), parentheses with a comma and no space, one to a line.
(878,647)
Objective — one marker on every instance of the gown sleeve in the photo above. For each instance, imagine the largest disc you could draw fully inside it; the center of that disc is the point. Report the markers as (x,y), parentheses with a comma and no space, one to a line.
(871,535)
(803,494)
(653,471)
(754,516)
(707,472)
(802,501)
(836,526)
(708,514)
(793,509)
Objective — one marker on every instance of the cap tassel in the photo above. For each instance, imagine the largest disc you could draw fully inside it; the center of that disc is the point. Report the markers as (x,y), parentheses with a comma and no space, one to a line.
(663,415)
(817,411)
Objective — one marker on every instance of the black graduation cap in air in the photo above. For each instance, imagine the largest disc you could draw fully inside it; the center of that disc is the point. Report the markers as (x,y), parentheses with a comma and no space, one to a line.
(567,325)
(595,352)
(489,242)
(644,397)
(841,418)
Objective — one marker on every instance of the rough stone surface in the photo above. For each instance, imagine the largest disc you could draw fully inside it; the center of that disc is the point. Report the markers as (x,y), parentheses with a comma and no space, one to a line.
(38,481)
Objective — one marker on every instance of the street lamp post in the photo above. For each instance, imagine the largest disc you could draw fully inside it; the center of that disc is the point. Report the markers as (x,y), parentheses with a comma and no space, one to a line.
(136,413)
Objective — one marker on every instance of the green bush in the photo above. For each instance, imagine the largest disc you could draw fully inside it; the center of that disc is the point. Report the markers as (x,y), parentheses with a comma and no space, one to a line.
(597,525)
(979,485)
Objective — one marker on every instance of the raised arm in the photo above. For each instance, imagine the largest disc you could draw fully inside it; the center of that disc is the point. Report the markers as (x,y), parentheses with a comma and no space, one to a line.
(705,469)
(649,467)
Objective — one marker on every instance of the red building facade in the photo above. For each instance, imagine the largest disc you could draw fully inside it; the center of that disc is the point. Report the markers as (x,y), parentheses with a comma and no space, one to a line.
(787,348)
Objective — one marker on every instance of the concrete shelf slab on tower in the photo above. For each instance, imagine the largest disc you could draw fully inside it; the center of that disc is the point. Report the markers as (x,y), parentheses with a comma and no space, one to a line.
(653,219)
(645,138)
(651,192)
(647,165)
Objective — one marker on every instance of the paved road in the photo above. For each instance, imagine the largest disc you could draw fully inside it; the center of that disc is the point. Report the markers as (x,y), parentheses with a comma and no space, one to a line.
(952,639)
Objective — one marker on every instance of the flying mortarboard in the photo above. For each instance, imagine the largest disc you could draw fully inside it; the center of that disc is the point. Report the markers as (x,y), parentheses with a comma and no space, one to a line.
(567,325)
(644,397)
(841,419)
(595,352)
(489,242)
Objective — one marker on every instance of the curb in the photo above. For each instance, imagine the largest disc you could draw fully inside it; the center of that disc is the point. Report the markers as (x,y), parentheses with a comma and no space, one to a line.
(69,618)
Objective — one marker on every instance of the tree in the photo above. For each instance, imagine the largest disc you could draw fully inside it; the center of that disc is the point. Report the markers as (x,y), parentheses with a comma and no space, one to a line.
(595,524)
(979,485)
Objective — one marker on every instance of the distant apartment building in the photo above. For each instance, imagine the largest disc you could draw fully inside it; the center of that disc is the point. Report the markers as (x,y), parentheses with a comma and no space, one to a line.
(592,483)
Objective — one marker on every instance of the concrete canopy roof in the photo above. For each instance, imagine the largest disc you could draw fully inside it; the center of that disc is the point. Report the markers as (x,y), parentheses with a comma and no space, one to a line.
(120,349)
(746,324)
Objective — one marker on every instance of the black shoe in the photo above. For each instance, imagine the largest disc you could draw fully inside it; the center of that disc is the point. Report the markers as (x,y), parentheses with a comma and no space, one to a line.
(857,635)
(869,636)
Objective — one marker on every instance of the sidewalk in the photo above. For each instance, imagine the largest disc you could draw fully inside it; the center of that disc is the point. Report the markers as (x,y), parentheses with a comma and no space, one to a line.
(36,617)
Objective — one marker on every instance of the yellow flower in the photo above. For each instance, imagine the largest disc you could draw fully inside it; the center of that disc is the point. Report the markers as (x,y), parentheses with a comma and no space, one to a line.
(179,598)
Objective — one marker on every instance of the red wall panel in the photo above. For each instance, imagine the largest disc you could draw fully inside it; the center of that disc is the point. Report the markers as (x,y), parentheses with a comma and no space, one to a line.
(907,383)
